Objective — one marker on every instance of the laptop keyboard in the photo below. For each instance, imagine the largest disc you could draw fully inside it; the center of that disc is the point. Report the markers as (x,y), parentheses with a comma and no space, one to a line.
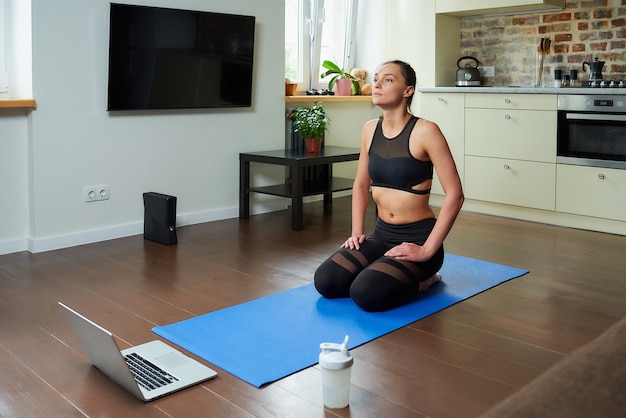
(147,374)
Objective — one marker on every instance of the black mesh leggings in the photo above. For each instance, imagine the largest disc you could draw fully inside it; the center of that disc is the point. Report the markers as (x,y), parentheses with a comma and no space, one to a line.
(376,282)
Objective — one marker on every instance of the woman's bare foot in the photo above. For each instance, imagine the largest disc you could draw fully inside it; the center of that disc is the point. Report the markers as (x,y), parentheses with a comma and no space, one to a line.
(429,282)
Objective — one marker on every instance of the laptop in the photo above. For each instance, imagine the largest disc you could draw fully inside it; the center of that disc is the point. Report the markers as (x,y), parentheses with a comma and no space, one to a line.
(148,371)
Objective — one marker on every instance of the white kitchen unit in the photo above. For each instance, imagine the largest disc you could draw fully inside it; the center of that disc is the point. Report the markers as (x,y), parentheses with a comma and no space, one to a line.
(591,191)
(519,126)
(508,162)
(447,110)
(510,149)
(512,182)
(485,7)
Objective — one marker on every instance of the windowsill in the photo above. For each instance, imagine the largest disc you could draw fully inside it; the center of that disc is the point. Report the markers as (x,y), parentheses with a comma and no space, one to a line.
(303,98)
(15,103)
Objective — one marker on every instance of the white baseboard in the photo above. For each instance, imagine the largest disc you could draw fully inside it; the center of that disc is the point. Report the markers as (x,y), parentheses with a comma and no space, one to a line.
(13,246)
(37,245)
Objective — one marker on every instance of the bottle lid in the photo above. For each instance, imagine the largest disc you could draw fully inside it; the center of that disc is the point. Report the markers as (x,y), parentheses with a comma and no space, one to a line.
(335,356)
(336,360)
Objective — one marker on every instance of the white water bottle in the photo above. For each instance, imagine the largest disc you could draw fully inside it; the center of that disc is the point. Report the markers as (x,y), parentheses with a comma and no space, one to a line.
(336,364)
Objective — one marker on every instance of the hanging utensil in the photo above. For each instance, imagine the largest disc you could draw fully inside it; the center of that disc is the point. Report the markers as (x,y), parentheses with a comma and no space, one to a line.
(544,46)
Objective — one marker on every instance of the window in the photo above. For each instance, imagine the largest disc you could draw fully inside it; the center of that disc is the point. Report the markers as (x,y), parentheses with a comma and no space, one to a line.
(4,49)
(16,49)
(318,30)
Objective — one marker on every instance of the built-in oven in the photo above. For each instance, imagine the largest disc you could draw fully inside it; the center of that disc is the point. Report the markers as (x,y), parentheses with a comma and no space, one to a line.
(591,130)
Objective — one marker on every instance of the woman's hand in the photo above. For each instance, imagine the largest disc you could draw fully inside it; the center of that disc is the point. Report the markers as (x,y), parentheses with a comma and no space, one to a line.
(354,242)
(408,252)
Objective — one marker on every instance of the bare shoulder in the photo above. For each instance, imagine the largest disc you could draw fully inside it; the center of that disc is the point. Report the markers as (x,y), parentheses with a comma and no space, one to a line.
(368,130)
(370,125)
(428,134)
(427,141)
(426,126)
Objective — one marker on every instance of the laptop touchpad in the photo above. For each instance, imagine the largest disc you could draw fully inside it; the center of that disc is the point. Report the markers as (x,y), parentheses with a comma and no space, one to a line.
(171,360)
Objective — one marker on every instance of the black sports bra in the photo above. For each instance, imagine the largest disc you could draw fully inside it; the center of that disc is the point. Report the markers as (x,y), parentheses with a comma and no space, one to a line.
(391,164)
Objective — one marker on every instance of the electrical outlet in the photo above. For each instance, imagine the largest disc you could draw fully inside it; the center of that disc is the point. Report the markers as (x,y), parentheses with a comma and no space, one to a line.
(96,193)
(487,71)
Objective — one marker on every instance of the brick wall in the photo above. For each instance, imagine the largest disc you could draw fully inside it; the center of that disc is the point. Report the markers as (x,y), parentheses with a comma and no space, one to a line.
(584,30)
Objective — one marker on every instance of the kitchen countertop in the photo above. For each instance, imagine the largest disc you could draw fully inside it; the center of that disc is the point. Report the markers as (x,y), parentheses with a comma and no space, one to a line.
(524,90)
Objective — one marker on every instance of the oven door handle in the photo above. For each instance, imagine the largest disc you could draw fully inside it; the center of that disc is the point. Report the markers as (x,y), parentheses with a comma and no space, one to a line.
(600,117)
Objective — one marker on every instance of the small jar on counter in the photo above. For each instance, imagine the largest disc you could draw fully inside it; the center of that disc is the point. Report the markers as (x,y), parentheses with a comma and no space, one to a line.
(573,75)
(558,74)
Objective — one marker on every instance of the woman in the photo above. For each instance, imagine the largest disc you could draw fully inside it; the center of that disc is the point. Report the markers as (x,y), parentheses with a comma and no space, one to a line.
(398,152)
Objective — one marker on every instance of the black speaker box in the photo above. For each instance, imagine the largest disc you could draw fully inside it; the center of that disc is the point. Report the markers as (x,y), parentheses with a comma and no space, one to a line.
(159,223)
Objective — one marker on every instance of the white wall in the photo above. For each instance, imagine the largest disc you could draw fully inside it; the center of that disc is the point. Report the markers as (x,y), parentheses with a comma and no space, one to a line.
(20,40)
(398,29)
(13,180)
(4,20)
(410,37)
(69,141)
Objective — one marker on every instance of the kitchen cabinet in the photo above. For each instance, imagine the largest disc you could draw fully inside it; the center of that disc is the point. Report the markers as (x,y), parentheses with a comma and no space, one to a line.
(591,191)
(485,7)
(512,182)
(504,144)
(520,126)
(512,101)
(447,110)
(510,149)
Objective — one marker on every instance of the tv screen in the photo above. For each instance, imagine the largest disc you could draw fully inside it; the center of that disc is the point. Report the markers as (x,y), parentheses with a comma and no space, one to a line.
(161,58)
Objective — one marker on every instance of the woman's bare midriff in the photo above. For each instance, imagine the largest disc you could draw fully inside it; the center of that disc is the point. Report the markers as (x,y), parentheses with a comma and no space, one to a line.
(400,207)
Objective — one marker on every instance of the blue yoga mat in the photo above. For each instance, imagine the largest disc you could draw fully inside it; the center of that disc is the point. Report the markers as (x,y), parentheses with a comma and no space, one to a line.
(266,339)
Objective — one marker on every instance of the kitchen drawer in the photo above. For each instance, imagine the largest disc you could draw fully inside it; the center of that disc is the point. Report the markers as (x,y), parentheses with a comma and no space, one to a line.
(512,101)
(447,110)
(519,134)
(512,182)
(591,191)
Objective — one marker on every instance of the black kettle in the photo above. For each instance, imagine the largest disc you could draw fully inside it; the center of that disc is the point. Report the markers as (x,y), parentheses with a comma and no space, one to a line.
(596,69)
(467,76)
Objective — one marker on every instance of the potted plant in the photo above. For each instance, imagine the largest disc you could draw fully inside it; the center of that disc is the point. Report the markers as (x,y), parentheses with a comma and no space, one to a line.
(347,84)
(310,124)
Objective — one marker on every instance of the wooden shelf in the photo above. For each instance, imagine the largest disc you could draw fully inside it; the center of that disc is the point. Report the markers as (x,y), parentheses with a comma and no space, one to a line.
(303,98)
(14,103)
(337,184)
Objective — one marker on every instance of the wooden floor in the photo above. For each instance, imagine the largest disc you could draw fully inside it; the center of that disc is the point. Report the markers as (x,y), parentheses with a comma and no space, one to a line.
(456,363)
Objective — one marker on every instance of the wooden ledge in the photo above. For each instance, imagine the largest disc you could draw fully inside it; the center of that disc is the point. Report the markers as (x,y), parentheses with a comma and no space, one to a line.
(14,103)
(303,98)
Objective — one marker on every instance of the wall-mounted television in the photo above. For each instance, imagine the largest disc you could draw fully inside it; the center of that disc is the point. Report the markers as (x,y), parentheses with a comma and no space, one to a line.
(162,58)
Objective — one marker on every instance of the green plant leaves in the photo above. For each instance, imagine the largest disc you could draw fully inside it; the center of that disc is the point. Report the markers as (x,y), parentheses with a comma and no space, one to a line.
(331,67)
(337,73)
(309,122)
